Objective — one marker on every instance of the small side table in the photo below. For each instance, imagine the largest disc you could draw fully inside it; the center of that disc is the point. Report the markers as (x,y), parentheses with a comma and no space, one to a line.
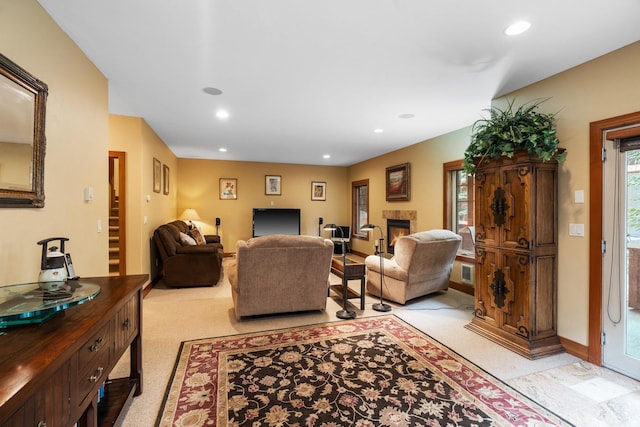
(353,270)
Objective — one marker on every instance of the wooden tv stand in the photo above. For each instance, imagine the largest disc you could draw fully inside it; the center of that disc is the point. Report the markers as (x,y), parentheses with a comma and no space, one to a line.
(50,373)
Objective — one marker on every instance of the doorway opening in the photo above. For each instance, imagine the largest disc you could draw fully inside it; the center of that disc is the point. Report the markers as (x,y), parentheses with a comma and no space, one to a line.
(605,237)
(117,214)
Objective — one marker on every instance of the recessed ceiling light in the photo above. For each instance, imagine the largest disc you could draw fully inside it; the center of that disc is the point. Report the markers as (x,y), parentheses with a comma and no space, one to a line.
(222,150)
(212,91)
(222,114)
(326,156)
(517,28)
(407,116)
(378,130)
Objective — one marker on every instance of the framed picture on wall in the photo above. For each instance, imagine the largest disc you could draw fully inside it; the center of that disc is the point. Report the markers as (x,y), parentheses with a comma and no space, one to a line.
(228,188)
(165,179)
(157,175)
(273,185)
(398,182)
(318,190)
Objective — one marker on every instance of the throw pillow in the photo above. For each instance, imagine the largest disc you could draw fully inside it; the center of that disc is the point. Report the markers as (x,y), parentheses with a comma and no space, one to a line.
(197,235)
(185,239)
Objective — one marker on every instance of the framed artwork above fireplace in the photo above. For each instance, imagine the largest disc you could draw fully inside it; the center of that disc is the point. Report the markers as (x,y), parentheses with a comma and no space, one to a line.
(398,182)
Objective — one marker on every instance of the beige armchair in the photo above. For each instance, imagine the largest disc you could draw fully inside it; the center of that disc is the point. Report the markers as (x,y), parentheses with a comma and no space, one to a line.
(280,274)
(421,265)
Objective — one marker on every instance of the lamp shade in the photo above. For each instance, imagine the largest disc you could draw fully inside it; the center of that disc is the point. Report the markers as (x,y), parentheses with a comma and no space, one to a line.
(330,227)
(368,227)
(190,214)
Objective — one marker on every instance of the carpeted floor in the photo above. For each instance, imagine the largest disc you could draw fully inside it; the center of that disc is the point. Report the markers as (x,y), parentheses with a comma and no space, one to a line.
(584,394)
(376,371)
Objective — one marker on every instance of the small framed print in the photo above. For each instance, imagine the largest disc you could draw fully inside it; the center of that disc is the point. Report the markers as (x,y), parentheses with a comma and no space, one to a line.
(273,185)
(165,179)
(398,183)
(318,190)
(157,175)
(228,188)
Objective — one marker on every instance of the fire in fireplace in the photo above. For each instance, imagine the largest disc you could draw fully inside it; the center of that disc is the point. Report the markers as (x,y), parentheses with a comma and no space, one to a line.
(396,228)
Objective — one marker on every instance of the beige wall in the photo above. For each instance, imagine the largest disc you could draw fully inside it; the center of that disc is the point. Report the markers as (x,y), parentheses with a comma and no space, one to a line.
(199,189)
(141,145)
(426,159)
(605,87)
(76,151)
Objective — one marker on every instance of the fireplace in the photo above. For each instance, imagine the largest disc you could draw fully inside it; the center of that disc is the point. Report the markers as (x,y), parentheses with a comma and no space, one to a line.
(396,228)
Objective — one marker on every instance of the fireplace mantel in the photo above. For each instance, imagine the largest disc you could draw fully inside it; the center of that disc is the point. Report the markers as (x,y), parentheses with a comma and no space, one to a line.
(412,216)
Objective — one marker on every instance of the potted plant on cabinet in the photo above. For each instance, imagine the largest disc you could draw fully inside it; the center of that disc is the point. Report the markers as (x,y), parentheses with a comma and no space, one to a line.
(511,129)
(514,156)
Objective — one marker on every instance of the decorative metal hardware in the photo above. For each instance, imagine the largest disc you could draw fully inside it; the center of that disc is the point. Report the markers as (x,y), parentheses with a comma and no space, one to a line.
(95,377)
(499,288)
(96,345)
(499,207)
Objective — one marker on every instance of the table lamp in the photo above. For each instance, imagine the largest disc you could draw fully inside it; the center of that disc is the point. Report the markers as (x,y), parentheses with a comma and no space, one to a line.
(191,215)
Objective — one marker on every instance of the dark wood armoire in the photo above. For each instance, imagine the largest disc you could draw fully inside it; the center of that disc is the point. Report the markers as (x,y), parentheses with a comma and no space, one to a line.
(516,205)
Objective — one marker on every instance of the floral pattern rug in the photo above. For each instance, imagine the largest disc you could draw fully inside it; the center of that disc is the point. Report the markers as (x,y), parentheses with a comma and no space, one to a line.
(376,371)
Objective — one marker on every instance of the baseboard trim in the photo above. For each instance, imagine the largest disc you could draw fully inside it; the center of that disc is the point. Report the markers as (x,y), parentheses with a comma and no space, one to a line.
(462,288)
(575,349)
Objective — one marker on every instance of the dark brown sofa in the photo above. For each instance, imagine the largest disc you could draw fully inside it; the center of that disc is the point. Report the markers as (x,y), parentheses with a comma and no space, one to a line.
(185,264)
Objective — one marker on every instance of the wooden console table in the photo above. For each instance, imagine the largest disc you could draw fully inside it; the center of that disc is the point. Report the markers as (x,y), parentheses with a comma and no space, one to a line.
(50,373)
(353,270)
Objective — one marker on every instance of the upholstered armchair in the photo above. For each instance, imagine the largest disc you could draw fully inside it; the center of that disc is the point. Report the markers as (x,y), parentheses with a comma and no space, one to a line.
(279,274)
(421,265)
(187,257)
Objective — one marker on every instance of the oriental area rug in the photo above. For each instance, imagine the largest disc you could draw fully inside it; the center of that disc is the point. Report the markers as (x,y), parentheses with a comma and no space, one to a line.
(376,371)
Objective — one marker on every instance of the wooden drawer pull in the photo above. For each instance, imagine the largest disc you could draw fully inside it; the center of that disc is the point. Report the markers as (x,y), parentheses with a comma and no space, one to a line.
(126,323)
(96,345)
(94,378)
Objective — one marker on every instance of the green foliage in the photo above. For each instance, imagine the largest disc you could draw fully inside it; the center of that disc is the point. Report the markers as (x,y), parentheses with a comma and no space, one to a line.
(509,130)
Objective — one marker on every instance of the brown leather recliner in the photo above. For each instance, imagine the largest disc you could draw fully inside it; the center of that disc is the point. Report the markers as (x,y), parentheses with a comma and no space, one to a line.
(186,265)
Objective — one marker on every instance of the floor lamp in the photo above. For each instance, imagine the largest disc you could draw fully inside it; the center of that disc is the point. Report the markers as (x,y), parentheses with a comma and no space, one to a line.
(345,313)
(370,227)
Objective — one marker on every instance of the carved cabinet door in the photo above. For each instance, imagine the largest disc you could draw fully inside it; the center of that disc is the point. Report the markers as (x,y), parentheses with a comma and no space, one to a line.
(515,182)
(516,267)
(487,185)
(487,266)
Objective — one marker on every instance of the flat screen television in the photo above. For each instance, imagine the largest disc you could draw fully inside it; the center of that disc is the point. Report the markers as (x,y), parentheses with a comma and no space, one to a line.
(268,221)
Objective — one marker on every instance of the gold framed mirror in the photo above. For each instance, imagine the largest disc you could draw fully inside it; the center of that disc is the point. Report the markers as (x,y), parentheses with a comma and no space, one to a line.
(23,100)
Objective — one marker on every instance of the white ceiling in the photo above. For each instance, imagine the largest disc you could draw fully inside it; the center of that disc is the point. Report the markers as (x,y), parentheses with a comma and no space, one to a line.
(304,78)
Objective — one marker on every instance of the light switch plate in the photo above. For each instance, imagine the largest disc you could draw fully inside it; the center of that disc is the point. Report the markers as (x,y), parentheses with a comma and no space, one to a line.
(579,196)
(576,230)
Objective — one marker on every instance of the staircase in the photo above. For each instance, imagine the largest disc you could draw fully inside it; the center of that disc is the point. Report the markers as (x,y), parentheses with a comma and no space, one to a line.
(114,240)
